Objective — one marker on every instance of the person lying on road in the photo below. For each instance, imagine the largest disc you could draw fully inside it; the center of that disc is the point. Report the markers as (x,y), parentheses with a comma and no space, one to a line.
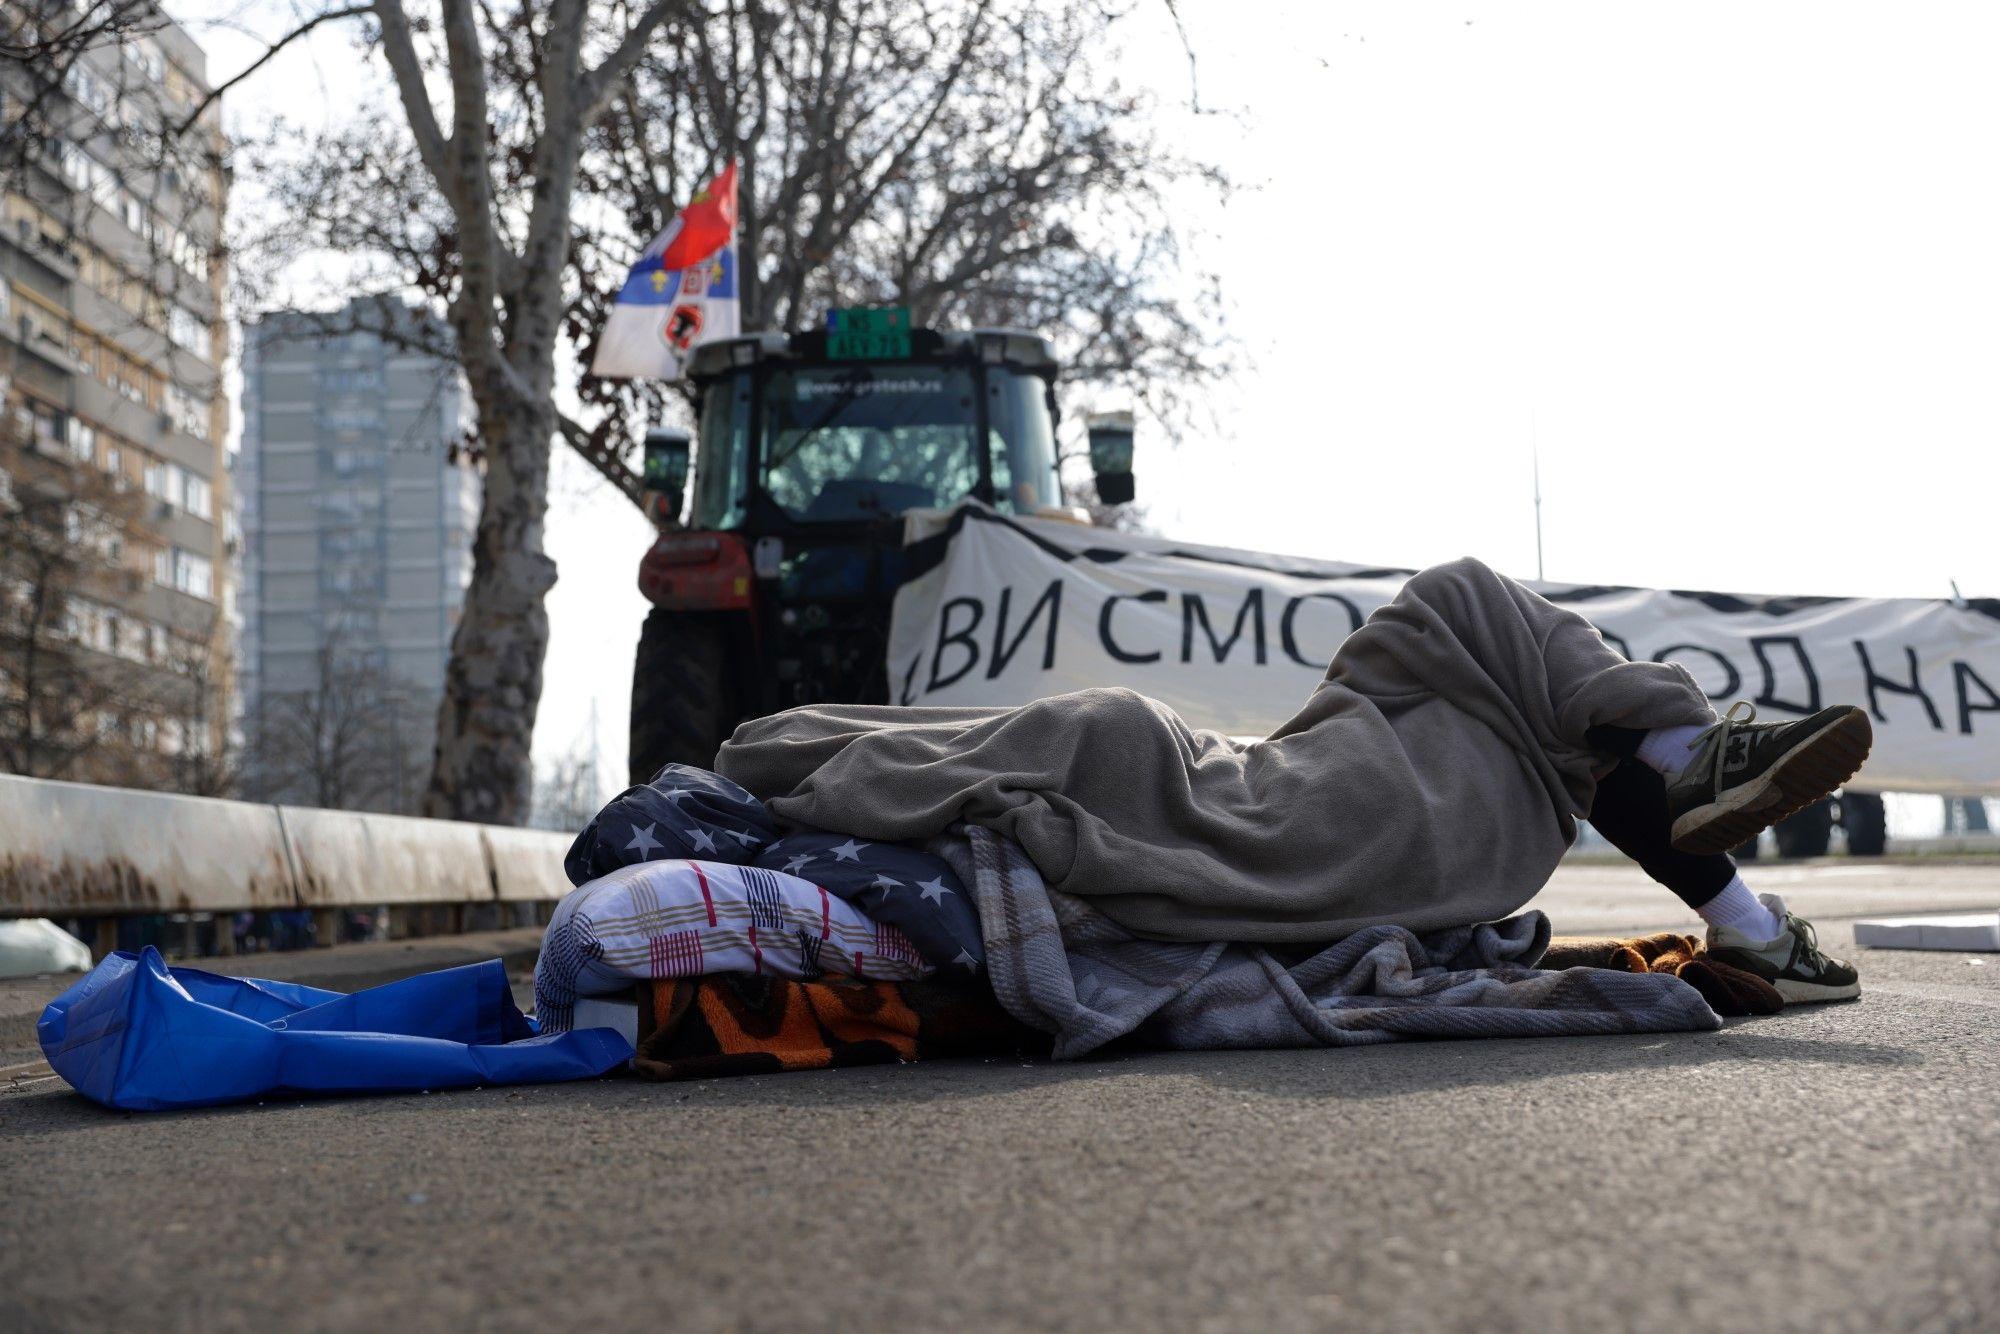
(1434,778)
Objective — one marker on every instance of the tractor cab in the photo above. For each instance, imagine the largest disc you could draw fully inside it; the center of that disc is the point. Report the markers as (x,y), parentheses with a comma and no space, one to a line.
(780,545)
(791,438)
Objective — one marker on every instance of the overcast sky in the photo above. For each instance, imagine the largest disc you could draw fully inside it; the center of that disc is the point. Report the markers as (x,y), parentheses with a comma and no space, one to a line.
(1734,270)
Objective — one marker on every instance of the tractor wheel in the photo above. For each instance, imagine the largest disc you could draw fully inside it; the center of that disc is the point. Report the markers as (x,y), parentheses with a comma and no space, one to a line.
(1807,833)
(683,706)
(1866,822)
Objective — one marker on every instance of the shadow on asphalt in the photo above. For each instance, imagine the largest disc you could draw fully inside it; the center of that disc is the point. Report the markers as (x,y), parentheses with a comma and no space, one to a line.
(1366,1073)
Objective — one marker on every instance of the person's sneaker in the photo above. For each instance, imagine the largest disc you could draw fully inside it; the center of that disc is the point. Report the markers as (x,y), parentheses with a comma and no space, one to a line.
(1792,962)
(1746,776)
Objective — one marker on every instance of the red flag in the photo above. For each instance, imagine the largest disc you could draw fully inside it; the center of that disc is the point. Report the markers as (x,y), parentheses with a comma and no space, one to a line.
(706,225)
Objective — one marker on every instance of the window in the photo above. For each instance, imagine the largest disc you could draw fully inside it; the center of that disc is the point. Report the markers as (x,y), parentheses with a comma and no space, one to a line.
(91,624)
(194,575)
(349,502)
(350,380)
(130,642)
(190,254)
(858,442)
(48,427)
(725,436)
(144,55)
(350,462)
(185,571)
(89,89)
(196,496)
(123,385)
(190,415)
(187,330)
(83,441)
(351,421)
(160,480)
(351,579)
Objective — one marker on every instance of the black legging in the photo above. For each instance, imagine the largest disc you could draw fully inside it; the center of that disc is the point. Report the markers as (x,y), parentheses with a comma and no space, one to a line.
(1631,812)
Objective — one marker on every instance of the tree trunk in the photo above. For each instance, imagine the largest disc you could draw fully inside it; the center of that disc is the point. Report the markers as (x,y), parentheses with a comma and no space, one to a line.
(493,683)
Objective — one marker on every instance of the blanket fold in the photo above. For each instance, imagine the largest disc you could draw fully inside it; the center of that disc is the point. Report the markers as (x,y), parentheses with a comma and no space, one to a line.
(1058,964)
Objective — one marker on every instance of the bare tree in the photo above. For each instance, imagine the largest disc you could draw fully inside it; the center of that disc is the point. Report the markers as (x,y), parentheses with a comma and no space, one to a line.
(342,739)
(569,790)
(471,198)
(204,755)
(978,160)
(80,696)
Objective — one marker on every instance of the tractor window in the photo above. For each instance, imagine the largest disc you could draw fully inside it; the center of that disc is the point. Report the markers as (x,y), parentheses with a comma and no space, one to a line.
(866,442)
(1023,443)
(718,465)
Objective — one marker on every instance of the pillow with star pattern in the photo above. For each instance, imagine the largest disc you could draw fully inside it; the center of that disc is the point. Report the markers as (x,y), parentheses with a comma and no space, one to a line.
(898,886)
(683,812)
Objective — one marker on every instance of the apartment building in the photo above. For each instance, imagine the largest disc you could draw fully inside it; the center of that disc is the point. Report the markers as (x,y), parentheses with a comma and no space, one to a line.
(358,522)
(112,346)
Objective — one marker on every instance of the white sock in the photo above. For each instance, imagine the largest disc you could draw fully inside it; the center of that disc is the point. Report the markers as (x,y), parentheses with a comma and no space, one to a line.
(1668,750)
(1740,910)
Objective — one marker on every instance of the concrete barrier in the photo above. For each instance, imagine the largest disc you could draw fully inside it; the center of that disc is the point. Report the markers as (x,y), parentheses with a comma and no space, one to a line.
(76,850)
(525,863)
(344,858)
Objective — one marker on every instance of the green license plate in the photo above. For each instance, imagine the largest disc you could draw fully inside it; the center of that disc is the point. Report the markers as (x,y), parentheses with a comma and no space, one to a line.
(868,334)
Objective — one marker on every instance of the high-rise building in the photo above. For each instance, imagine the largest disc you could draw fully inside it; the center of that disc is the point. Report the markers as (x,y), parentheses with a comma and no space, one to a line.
(358,526)
(118,650)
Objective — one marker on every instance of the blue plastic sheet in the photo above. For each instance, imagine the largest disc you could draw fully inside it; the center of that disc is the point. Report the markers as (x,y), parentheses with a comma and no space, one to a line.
(139,1035)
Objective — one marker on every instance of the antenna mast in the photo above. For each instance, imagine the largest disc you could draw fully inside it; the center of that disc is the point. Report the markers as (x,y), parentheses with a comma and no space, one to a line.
(1535,452)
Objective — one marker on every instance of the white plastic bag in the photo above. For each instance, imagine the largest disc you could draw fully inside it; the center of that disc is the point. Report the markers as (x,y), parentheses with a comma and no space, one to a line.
(32,945)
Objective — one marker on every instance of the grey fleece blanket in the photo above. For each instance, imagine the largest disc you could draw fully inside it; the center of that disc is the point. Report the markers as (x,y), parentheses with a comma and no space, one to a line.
(1059,965)
(1433,779)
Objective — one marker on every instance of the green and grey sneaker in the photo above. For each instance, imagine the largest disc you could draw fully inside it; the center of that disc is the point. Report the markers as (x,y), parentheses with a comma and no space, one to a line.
(1792,963)
(1746,776)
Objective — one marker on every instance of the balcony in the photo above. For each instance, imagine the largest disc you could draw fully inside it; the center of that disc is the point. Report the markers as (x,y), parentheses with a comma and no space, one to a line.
(35,338)
(43,250)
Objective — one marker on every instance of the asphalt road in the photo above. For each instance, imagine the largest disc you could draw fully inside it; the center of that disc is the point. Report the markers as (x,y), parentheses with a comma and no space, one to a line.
(1831,1168)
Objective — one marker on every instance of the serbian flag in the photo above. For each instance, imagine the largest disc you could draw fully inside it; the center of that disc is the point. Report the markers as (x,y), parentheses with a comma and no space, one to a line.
(681,292)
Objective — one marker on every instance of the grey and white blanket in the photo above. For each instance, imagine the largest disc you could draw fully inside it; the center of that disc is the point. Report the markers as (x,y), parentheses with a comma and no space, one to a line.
(1061,966)
(1433,779)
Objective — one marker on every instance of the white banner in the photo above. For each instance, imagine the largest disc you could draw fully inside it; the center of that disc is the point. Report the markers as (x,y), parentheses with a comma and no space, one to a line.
(1001,611)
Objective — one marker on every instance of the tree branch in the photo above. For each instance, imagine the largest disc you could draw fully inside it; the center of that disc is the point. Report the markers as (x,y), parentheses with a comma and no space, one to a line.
(600,456)
(209,99)
(400,49)
(600,83)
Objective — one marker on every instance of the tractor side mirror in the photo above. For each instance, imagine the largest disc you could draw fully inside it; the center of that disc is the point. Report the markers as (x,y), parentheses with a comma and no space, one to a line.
(666,474)
(1111,456)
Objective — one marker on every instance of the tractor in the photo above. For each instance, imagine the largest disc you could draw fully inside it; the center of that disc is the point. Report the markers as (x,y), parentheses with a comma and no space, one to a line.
(771,583)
